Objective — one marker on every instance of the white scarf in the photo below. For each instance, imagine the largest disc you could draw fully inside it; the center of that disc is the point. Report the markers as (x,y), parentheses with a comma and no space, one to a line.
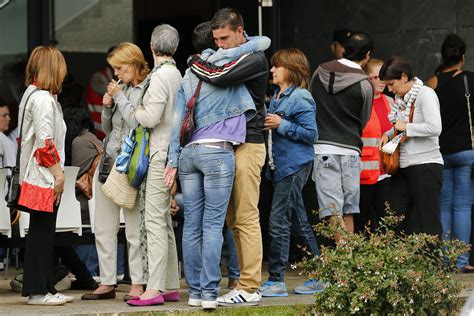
(404,104)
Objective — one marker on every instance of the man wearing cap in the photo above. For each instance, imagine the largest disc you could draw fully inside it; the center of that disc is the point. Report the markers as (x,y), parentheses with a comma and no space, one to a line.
(339,38)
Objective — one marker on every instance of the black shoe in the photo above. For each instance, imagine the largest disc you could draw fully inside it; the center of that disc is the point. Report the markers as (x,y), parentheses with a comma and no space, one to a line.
(89,285)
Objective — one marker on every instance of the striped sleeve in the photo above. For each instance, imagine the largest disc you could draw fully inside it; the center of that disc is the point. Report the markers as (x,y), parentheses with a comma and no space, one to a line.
(210,70)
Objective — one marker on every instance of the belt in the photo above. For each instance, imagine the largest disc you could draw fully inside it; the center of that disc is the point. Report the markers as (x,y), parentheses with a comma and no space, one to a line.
(223,145)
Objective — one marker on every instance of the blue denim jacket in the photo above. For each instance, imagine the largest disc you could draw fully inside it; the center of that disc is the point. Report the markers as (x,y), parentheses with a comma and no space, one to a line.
(214,104)
(293,140)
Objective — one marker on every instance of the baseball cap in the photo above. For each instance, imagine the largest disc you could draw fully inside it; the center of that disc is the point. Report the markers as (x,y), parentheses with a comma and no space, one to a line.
(341,36)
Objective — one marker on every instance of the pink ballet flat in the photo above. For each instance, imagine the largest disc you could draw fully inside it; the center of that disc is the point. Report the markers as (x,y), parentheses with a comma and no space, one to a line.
(157,300)
(171,296)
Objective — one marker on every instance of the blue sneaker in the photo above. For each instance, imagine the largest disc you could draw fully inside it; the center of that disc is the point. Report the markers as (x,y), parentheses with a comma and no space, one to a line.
(273,289)
(309,287)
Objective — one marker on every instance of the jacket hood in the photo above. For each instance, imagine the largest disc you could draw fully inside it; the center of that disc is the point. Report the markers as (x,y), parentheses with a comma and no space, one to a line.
(336,77)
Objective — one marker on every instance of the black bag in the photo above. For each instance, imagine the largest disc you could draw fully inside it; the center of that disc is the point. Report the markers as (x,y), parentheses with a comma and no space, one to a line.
(187,127)
(15,187)
(105,166)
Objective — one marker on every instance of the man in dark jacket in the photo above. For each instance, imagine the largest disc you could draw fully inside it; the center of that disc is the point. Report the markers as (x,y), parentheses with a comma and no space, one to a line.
(243,213)
(343,93)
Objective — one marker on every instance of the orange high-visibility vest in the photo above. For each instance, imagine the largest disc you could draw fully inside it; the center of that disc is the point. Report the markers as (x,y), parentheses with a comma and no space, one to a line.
(370,151)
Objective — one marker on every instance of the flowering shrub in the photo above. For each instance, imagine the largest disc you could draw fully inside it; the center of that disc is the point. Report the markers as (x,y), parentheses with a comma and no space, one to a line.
(385,273)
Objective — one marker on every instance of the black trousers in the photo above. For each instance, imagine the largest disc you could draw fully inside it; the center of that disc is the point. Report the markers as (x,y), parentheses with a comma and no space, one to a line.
(72,261)
(39,254)
(372,203)
(415,193)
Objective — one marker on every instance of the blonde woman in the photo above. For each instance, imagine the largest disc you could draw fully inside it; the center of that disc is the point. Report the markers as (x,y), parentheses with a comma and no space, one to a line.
(131,69)
(41,170)
(156,113)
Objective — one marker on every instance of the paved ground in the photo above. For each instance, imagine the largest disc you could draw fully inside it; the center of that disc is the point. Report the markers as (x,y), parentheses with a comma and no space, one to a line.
(11,303)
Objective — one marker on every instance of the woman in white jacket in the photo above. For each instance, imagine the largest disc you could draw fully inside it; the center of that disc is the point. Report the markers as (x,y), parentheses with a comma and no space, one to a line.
(416,186)
(41,170)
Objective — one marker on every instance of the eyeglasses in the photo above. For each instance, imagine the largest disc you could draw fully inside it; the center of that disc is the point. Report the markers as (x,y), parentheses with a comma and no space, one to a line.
(374,77)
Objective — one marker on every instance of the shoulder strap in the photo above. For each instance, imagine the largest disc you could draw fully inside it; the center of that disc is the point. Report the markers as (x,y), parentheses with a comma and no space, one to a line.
(99,149)
(18,153)
(412,112)
(468,102)
(192,101)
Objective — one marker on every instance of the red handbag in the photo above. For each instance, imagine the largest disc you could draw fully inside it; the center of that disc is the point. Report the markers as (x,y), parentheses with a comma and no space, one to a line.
(187,127)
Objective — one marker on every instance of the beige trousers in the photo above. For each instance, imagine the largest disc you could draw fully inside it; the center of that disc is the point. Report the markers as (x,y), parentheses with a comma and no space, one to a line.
(106,226)
(243,214)
(162,254)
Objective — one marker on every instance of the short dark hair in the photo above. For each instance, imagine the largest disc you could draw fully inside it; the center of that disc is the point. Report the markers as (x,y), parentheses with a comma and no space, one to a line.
(227,17)
(202,37)
(77,119)
(452,50)
(3,102)
(357,46)
(394,67)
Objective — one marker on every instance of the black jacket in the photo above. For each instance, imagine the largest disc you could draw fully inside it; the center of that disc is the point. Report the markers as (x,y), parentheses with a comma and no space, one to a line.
(344,97)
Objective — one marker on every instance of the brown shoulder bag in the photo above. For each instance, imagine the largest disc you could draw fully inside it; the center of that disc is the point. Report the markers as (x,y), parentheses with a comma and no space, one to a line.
(84,183)
(391,162)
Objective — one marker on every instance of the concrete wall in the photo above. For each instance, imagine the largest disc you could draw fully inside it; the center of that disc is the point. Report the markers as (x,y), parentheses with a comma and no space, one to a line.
(13,38)
(414,29)
(103,25)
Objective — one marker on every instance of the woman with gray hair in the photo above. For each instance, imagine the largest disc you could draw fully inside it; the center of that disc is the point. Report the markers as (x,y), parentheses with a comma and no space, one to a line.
(155,112)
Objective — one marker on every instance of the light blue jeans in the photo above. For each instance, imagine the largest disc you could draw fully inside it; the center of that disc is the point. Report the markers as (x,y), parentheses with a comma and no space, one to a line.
(456,199)
(206,174)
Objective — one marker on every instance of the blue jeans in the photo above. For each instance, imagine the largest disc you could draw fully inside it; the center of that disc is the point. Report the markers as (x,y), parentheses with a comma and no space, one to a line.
(206,175)
(457,198)
(233,260)
(288,206)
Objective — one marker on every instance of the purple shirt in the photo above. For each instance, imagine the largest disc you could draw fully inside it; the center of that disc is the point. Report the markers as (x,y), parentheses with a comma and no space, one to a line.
(232,130)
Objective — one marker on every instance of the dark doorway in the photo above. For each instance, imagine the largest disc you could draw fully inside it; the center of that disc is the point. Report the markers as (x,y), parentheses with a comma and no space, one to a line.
(182,15)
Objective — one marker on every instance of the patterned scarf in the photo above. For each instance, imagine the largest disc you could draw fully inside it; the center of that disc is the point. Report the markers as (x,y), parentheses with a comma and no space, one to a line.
(404,104)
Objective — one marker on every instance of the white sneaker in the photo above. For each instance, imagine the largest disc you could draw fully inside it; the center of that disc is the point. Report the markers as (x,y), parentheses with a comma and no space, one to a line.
(194,302)
(209,305)
(47,299)
(240,298)
(67,298)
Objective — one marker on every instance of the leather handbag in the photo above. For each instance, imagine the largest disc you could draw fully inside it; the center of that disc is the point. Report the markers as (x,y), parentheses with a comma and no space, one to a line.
(15,185)
(391,162)
(187,126)
(84,183)
(106,163)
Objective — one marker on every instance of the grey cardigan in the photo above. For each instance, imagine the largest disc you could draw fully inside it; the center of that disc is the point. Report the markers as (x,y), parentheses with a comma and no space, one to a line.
(422,146)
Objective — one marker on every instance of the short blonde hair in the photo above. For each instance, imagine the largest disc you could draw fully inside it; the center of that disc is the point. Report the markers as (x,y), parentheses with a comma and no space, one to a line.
(296,64)
(46,68)
(129,54)
(371,63)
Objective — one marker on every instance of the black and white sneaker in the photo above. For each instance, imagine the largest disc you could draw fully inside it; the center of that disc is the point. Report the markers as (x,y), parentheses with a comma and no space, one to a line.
(240,298)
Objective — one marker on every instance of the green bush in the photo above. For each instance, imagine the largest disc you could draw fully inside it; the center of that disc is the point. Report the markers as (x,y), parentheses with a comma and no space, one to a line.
(385,273)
